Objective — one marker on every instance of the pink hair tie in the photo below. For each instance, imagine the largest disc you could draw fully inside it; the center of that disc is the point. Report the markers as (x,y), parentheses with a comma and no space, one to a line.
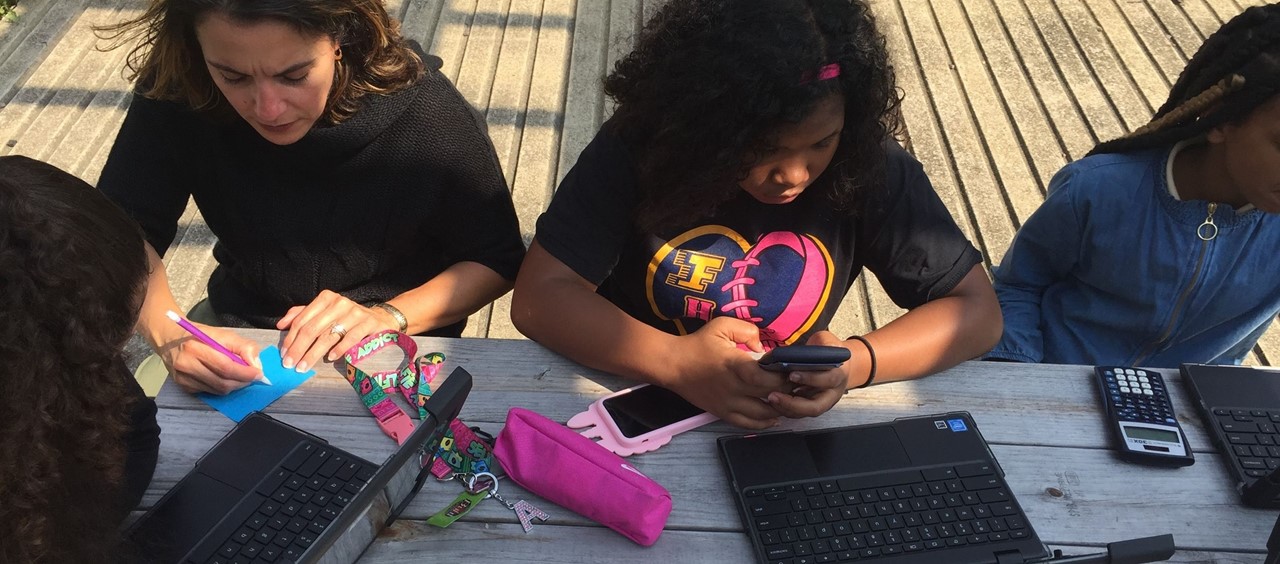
(827,72)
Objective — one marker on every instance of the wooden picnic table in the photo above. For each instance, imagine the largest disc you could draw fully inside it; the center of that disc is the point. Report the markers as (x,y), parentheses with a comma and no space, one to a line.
(1042,421)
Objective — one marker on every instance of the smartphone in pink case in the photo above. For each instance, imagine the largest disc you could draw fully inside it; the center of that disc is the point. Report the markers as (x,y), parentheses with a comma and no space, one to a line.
(638,419)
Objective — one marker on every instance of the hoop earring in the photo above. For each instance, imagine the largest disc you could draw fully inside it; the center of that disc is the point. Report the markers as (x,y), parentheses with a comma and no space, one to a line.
(337,53)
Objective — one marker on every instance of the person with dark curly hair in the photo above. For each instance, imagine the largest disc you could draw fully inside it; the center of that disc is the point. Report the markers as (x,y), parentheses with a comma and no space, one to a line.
(1194,197)
(351,187)
(78,439)
(745,179)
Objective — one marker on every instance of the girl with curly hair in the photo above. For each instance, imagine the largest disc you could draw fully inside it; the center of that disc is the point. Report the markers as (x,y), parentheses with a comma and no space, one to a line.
(1194,196)
(78,439)
(745,179)
(352,189)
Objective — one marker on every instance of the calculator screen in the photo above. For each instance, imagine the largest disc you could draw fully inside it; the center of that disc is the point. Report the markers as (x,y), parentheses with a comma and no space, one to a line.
(1151,434)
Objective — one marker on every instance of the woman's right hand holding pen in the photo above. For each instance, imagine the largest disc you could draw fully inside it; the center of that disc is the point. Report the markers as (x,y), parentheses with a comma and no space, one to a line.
(197,367)
(714,373)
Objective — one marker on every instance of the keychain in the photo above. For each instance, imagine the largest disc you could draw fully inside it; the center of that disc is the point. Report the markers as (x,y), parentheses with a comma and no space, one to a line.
(479,487)
(525,511)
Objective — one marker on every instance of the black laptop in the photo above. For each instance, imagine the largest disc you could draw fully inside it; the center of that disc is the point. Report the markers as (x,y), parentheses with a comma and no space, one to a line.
(1241,410)
(269,492)
(917,490)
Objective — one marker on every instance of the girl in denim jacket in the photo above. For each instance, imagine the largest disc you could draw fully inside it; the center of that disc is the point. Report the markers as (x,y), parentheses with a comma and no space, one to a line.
(1160,247)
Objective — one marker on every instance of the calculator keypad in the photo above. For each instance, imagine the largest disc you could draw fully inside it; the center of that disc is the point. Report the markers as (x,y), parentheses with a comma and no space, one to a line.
(1138,395)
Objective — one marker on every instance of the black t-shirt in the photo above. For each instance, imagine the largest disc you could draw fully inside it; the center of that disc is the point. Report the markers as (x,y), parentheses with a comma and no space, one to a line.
(369,208)
(785,268)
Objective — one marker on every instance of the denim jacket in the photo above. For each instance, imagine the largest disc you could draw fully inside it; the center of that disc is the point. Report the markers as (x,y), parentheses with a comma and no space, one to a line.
(1111,269)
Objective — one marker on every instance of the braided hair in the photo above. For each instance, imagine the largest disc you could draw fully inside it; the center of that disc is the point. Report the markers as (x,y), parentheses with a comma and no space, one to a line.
(1235,71)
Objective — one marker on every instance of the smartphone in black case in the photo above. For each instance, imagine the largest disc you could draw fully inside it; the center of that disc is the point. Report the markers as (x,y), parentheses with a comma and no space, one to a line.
(804,357)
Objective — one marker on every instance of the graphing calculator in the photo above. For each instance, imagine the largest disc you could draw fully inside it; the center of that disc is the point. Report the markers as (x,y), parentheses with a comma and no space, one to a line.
(1141,417)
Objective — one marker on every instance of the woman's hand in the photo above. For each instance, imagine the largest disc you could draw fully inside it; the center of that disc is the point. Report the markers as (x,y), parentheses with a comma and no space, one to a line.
(326,328)
(815,392)
(196,367)
(716,374)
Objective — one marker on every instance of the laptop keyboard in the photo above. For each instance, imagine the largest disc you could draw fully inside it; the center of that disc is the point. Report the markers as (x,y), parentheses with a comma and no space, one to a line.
(303,495)
(1252,438)
(882,515)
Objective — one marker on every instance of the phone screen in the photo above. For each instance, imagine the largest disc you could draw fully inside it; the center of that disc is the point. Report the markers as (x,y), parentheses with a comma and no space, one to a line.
(648,409)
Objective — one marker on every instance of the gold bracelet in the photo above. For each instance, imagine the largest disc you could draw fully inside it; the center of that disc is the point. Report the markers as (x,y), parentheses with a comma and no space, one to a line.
(400,319)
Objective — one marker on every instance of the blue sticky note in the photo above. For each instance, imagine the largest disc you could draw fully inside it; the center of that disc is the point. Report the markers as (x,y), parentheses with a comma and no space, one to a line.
(258,395)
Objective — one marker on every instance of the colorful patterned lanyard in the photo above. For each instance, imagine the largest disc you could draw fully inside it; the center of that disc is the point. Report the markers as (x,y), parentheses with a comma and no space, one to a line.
(413,380)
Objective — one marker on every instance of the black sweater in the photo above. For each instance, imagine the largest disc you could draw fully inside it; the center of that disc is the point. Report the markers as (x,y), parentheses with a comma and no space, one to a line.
(369,208)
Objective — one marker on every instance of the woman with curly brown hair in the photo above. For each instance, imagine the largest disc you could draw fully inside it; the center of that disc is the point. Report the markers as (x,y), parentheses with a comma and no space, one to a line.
(351,187)
(745,179)
(78,439)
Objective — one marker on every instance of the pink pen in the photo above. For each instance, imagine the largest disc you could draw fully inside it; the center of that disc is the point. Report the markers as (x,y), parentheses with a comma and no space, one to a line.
(197,333)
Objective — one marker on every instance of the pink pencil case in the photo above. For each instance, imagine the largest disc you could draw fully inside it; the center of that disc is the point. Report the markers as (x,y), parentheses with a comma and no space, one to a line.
(574,472)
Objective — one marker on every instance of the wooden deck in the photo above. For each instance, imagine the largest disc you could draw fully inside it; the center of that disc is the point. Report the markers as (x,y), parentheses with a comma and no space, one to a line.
(999,95)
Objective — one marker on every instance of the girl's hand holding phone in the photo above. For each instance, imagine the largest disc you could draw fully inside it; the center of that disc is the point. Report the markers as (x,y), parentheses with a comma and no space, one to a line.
(816,392)
(715,375)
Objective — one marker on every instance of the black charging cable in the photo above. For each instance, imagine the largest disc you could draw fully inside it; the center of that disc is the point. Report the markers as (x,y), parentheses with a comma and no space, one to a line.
(1133,551)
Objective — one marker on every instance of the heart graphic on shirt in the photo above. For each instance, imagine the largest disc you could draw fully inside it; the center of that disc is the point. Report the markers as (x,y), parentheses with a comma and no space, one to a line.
(781,283)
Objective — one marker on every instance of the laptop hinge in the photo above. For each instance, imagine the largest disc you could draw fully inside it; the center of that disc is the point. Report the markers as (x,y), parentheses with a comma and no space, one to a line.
(1010,557)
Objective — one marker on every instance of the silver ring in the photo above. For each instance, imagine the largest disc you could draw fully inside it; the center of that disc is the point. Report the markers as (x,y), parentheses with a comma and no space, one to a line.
(338,330)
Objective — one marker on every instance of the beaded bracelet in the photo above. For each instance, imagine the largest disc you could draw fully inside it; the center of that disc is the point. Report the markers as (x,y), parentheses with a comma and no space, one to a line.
(872,353)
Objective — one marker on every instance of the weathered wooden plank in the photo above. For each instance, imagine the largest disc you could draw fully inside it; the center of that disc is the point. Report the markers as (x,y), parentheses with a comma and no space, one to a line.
(650,8)
(1067,59)
(961,135)
(94,82)
(624,24)
(20,22)
(521,372)
(509,97)
(91,168)
(480,58)
(1182,31)
(584,98)
(1083,497)
(36,31)
(1010,171)
(1269,345)
(506,110)
(94,128)
(1107,25)
(1047,81)
(449,41)
(407,541)
(45,82)
(395,8)
(1030,121)
(420,20)
(508,106)
(535,175)
(190,261)
(853,316)
(475,82)
(919,115)
(1119,86)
